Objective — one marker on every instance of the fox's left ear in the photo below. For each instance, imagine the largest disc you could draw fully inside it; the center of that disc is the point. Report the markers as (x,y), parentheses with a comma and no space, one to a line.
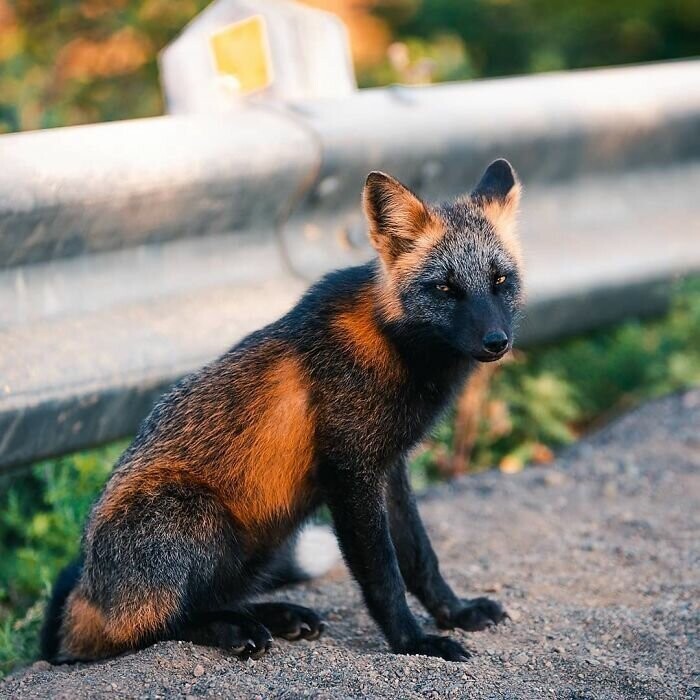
(498,194)
(396,216)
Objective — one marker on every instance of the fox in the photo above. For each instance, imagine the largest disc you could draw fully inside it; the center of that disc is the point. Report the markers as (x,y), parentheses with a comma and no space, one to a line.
(322,407)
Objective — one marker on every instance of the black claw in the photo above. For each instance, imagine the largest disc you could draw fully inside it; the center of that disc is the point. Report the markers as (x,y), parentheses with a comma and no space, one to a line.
(478,614)
(289,621)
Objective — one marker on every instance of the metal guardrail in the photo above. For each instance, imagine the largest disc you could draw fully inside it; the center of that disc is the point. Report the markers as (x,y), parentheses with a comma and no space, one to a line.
(132,252)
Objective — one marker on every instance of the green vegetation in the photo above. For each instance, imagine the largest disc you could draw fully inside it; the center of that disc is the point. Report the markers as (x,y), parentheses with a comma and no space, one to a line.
(42,513)
(460,40)
(540,401)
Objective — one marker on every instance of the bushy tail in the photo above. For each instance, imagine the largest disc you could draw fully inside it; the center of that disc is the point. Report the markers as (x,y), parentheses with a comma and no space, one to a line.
(312,553)
(65,583)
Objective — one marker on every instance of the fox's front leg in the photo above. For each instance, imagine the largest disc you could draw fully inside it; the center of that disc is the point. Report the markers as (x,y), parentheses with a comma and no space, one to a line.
(419,565)
(359,515)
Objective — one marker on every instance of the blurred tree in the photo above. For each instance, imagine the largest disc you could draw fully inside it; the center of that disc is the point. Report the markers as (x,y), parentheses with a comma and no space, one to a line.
(504,37)
(78,61)
(518,36)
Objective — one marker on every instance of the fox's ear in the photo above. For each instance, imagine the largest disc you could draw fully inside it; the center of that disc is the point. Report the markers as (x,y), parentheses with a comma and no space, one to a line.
(396,216)
(499,191)
(498,194)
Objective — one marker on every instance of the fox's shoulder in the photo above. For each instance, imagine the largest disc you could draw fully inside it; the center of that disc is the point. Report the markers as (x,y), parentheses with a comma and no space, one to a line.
(334,292)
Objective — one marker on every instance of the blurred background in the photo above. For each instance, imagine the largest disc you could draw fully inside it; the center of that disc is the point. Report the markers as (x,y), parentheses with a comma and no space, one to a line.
(131,254)
(83,61)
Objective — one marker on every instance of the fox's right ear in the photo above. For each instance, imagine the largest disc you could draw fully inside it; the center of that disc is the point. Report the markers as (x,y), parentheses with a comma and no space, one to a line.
(498,193)
(396,216)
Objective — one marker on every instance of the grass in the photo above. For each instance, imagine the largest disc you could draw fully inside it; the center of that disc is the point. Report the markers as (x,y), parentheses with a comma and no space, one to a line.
(41,518)
(543,399)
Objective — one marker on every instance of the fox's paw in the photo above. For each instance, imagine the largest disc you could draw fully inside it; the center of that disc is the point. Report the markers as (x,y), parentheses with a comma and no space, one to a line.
(442,647)
(244,638)
(289,621)
(474,615)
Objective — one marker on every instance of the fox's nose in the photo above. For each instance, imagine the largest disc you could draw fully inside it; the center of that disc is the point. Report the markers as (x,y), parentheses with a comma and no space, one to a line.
(495,342)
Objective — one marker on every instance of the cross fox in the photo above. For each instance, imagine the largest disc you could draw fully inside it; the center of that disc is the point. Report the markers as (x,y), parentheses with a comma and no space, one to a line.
(319,407)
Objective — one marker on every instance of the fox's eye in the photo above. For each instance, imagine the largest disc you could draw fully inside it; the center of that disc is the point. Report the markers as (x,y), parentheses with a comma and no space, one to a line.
(443,288)
(500,280)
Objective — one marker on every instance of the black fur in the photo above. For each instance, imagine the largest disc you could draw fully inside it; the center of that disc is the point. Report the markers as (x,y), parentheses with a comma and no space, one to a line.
(169,534)
(49,640)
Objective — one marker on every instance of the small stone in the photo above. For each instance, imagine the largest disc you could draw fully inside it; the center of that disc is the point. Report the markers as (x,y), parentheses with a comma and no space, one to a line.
(514,615)
(41,665)
(610,489)
(554,478)
(198,671)
(521,658)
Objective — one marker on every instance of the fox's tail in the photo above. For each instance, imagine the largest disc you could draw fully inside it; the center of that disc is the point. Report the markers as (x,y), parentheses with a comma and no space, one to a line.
(312,553)
(65,583)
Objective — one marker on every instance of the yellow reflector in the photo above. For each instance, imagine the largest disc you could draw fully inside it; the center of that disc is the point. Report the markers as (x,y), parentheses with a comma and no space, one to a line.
(241,51)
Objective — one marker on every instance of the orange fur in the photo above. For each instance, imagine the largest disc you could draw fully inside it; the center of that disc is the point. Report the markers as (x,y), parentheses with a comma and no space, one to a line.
(83,630)
(357,329)
(255,462)
(149,478)
(503,216)
(409,263)
(403,219)
(272,458)
(88,633)
(402,230)
(404,266)
(139,619)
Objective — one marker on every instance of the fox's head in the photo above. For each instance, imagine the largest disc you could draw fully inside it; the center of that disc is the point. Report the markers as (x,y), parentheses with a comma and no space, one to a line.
(451,271)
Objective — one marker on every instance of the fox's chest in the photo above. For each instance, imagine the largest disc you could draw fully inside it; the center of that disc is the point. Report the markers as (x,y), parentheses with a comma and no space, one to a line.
(379,423)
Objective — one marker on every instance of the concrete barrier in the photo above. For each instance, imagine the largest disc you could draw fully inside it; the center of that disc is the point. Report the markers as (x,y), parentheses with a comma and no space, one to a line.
(130,253)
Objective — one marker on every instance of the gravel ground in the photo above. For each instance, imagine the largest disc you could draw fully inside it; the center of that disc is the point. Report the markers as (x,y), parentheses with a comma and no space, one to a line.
(597,558)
